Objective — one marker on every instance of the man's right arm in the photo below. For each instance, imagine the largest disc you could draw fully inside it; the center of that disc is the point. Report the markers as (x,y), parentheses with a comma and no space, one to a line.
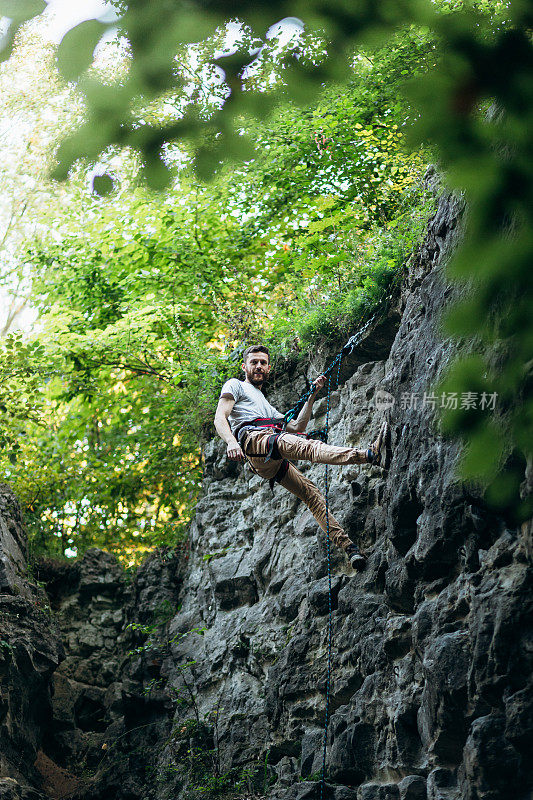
(225,405)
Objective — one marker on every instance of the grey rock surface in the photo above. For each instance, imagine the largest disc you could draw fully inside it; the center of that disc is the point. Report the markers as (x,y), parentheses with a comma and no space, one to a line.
(30,651)
(13,546)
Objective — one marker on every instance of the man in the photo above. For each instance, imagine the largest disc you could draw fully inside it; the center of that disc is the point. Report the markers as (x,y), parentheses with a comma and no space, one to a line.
(251,428)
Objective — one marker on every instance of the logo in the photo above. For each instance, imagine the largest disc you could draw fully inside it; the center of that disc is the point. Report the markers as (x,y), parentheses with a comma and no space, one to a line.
(383,400)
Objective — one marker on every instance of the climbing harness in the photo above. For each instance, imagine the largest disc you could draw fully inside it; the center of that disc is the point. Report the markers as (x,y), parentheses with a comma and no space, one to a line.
(277,425)
(272,447)
(268,422)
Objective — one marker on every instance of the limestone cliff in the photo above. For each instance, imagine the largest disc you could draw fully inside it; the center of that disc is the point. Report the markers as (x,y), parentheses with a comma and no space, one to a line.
(208,669)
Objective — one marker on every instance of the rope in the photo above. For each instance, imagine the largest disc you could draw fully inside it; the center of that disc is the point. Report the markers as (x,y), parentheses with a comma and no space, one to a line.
(348,349)
(337,361)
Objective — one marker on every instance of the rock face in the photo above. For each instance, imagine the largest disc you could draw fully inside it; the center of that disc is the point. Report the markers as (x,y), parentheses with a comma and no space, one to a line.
(30,651)
(13,548)
(106,702)
(208,671)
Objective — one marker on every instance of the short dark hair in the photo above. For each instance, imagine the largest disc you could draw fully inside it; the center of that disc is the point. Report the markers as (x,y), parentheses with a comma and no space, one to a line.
(255,348)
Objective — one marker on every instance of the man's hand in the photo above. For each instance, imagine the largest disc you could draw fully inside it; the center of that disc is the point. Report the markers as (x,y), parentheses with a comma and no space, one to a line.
(319,383)
(300,423)
(234,452)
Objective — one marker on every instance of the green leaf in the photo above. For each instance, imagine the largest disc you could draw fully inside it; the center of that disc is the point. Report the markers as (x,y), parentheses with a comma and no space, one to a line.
(21,10)
(76,50)
(103,184)
(504,489)
(233,64)
(483,455)
(156,174)
(7,41)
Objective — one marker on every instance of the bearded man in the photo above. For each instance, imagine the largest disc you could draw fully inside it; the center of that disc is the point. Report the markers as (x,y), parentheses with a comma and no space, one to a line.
(254,430)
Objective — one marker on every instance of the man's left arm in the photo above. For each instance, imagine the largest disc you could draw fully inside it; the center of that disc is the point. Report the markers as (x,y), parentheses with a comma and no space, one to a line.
(301,422)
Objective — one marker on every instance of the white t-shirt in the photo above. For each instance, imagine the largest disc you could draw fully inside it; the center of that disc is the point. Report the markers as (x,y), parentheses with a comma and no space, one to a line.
(250,402)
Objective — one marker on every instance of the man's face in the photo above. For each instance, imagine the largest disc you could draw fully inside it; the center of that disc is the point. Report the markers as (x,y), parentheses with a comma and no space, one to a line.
(256,368)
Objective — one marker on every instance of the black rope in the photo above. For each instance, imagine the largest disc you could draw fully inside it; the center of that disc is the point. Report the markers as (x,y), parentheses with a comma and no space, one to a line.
(348,349)
(337,361)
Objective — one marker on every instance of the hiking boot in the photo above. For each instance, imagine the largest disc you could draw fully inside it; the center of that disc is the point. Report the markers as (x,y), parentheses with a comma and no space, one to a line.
(355,557)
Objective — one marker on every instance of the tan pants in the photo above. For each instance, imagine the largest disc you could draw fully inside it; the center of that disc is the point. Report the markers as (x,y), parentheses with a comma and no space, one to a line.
(296,447)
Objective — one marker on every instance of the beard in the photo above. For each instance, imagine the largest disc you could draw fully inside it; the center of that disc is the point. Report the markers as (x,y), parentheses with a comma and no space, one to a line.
(256,379)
